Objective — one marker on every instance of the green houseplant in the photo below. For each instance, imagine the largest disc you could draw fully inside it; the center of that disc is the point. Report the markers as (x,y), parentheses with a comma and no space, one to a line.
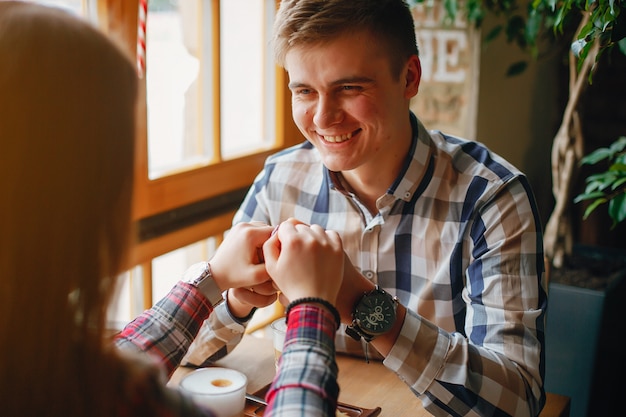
(592,28)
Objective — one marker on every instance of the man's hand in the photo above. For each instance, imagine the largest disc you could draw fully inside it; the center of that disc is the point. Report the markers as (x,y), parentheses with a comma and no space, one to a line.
(238,266)
(305,261)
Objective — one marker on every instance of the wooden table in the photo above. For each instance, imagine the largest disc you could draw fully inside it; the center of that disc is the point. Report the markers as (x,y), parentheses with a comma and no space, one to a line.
(366,385)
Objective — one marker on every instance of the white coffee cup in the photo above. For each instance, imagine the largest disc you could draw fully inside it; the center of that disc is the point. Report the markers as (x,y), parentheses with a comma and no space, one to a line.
(222,390)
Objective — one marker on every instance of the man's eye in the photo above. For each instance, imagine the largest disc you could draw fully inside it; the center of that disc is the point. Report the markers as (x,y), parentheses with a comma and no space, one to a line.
(303,91)
(350,88)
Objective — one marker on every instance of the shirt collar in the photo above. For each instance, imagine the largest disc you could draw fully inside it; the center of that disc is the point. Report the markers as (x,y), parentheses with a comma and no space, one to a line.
(415,167)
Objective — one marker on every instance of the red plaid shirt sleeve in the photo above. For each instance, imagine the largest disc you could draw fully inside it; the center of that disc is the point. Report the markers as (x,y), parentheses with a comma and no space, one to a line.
(166,330)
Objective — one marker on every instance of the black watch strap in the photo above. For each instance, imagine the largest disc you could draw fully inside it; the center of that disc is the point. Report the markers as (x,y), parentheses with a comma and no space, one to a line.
(354,331)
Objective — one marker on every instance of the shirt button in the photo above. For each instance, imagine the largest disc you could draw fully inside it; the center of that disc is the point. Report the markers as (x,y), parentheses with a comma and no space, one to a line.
(369,274)
(407,194)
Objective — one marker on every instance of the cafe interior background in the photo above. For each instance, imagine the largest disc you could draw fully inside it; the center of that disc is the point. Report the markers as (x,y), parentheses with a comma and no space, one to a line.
(213,106)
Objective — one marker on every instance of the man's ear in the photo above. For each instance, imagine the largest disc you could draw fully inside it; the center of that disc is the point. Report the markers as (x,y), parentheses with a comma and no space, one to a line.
(413,76)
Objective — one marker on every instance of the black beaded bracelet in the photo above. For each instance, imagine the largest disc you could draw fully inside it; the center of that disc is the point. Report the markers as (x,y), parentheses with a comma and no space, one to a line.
(317,300)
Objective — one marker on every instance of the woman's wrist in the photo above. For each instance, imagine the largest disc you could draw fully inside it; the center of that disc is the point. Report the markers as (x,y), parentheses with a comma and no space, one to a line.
(324,304)
(311,323)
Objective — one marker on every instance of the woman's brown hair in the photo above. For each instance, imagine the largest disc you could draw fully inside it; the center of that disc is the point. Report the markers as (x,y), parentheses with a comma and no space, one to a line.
(67,106)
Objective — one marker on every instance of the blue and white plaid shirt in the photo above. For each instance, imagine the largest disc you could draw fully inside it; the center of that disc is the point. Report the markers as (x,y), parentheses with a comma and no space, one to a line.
(457,238)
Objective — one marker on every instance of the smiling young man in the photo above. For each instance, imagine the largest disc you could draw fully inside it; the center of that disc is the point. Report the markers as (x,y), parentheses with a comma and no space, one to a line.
(442,235)
(352,106)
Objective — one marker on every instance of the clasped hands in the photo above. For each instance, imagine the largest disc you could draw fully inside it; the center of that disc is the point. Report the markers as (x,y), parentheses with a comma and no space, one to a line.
(255,262)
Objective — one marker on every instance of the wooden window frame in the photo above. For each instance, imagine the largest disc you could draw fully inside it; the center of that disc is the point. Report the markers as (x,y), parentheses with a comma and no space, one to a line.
(196,190)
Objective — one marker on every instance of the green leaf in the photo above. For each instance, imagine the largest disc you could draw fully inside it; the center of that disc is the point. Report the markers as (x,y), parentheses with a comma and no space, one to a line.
(552,4)
(593,206)
(533,27)
(451,8)
(618,183)
(596,156)
(586,31)
(618,168)
(493,33)
(475,12)
(619,145)
(560,16)
(592,186)
(602,176)
(517,68)
(515,27)
(622,45)
(588,196)
(600,181)
(617,208)
(609,178)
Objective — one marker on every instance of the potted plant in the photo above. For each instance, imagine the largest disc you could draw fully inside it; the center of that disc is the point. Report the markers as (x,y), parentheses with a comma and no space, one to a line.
(579,319)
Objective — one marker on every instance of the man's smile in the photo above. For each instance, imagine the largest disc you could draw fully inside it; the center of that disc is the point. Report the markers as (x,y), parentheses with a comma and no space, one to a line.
(339,138)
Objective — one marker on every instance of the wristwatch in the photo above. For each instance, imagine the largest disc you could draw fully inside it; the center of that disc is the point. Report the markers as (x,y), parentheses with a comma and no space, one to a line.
(199,275)
(373,315)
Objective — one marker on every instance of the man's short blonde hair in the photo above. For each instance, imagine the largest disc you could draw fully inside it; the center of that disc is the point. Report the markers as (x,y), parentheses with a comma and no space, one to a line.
(309,22)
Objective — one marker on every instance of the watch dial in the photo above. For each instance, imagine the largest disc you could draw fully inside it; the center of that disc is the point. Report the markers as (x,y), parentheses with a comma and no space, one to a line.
(376,313)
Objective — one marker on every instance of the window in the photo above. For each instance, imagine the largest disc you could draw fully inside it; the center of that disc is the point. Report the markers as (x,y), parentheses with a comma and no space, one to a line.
(212,107)
(185,127)
(78,7)
(212,111)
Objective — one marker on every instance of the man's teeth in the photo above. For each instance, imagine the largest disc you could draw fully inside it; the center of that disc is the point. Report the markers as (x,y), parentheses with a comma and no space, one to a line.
(338,138)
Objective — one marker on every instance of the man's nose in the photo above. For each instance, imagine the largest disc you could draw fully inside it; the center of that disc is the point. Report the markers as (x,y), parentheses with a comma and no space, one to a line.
(327,112)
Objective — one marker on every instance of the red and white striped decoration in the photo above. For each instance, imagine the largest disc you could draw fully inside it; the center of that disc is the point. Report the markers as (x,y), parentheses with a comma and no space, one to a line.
(141,37)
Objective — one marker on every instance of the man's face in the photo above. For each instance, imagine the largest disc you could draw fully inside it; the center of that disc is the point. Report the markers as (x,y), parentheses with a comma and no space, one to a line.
(349,105)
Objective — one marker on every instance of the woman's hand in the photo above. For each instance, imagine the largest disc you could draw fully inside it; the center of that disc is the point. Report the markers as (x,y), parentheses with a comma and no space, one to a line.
(238,266)
(305,261)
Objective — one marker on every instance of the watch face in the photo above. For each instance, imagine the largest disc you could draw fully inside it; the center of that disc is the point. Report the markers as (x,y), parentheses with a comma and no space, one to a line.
(376,313)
